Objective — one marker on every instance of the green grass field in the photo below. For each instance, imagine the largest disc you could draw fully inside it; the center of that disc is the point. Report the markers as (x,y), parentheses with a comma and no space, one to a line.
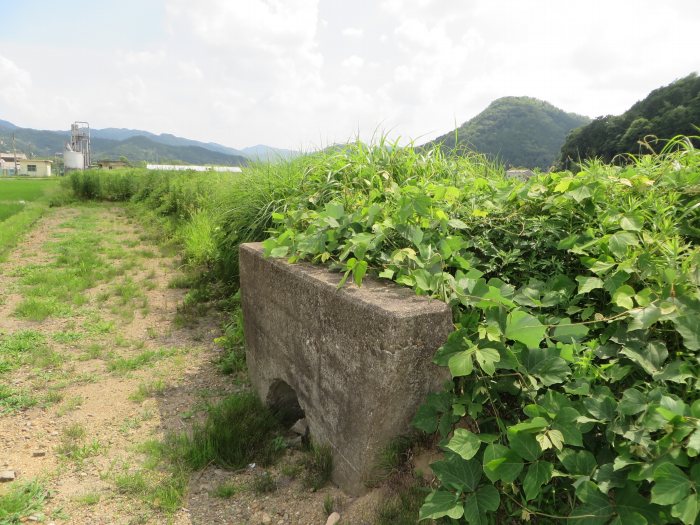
(14,190)
(22,203)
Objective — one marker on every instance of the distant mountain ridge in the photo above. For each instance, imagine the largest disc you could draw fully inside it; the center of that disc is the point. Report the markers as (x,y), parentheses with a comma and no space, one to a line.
(519,131)
(666,112)
(138,145)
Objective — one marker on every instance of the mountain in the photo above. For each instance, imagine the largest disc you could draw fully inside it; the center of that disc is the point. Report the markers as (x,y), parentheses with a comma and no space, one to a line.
(519,131)
(113,143)
(163,138)
(666,112)
(268,154)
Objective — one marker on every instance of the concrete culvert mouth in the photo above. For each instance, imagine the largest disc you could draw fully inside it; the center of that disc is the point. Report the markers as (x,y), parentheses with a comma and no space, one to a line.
(283,401)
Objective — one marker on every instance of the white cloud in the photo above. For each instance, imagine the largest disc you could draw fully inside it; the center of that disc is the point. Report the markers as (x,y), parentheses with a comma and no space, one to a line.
(353,32)
(353,63)
(16,83)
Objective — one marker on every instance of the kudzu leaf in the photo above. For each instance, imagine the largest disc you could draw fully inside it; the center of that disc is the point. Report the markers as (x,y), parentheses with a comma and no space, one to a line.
(464,443)
(686,510)
(623,297)
(651,358)
(335,211)
(525,328)
(620,241)
(457,224)
(671,485)
(440,504)
(461,364)
(501,463)
(538,474)
(578,462)
(478,505)
(596,508)
(632,402)
(586,284)
(524,445)
(359,271)
(632,222)
(568,332)
(487,359)
(454,472)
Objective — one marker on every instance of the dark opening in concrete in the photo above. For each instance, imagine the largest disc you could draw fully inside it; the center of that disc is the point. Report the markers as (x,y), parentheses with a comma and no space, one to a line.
(283,401)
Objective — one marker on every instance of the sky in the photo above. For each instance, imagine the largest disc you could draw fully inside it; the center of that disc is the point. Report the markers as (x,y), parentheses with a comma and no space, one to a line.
(303,74)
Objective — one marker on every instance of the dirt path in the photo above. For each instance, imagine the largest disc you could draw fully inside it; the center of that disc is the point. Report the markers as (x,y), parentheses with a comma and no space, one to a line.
(101,364)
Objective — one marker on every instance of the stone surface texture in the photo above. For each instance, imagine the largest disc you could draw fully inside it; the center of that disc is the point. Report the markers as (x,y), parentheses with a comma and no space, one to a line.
(358,358)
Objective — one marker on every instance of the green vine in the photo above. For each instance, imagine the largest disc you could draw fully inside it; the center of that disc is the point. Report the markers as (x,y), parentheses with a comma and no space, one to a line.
(577,323)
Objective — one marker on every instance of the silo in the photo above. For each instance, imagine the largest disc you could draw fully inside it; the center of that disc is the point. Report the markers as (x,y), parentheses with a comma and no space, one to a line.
(73,160)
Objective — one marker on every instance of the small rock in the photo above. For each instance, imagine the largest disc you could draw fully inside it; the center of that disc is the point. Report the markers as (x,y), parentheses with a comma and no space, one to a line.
(38,453)
(262,518)
(333,519)
(301,427)
(7,475)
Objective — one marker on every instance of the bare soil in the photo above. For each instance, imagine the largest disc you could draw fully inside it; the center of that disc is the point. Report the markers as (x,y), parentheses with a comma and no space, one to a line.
(82,392)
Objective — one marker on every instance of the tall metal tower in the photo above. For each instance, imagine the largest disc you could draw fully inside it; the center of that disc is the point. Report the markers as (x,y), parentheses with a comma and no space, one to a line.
(76,155)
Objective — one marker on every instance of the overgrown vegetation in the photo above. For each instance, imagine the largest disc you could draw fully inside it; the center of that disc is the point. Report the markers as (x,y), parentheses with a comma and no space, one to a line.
(575,392)
(575,298)
(20,501)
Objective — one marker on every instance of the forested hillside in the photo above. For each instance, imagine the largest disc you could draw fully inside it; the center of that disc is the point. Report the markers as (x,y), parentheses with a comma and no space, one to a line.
(668,111)
(519,131)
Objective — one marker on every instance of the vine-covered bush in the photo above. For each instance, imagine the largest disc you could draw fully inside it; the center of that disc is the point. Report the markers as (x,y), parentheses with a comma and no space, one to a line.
(577,323)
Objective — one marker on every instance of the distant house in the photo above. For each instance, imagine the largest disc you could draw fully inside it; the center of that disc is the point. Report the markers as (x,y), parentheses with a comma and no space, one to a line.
(8,162)
(111,164)
(35,167)
(187,167)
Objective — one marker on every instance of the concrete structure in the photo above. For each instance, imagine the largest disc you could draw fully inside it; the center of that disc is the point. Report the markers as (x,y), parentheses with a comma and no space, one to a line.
(191,167)
(356,362)
(34,168)
(111,164)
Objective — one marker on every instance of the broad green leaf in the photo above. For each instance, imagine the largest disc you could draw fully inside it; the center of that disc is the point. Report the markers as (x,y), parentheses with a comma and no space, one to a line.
(686,510)
(462,363)
(643,318)
(457,473)
(477,506)
(651,358)
(426,419)
(440,504)
(687,324)
(578,462)
(623,297)
(457,224)
(538,474)
(671,485)
(620,241)
(464,443)
(596,508)
(632,222)
(501,463)
(530,425)
(359,271)
(632,402)
(586,284)
(524,445)
(525,328)
(487,359)
(334,210)
(280,251)
(568,332)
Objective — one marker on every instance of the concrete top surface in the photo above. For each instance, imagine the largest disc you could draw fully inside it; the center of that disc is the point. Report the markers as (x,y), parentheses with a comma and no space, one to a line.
(382,296)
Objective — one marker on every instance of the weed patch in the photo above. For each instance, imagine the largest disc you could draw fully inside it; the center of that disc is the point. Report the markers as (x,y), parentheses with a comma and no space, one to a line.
(20,501)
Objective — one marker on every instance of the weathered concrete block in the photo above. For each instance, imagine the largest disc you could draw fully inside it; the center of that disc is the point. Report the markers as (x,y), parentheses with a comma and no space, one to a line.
(358,360)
